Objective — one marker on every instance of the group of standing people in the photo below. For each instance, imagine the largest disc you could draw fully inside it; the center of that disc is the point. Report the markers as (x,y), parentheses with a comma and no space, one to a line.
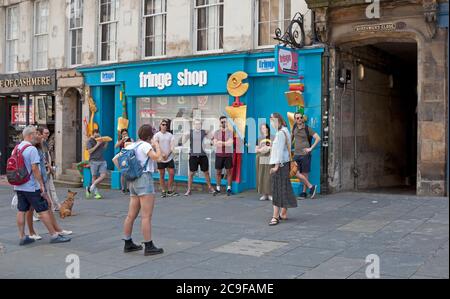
(274,158)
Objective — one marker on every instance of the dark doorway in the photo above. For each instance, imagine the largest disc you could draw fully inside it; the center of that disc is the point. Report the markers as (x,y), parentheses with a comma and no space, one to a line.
(385,108)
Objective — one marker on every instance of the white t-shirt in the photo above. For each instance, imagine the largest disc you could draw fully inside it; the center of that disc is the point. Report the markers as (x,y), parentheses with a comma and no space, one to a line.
(142,150)
(166,141)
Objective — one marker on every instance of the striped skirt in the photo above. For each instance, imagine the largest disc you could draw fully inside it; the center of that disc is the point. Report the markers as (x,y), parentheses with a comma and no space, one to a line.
(282,192)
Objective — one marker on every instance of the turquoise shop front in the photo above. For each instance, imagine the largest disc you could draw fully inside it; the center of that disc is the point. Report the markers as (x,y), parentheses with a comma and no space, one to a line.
(196,87)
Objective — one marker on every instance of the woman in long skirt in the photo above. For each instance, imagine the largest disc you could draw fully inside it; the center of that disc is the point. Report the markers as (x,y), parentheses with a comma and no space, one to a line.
(263,163)
(283,195)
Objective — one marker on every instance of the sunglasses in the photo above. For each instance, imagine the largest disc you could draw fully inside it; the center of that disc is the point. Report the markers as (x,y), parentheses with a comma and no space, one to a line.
(164,125)
(224,122)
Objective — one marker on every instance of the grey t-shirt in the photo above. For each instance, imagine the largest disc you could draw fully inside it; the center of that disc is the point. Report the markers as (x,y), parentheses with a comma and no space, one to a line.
(301,140)
(97,155)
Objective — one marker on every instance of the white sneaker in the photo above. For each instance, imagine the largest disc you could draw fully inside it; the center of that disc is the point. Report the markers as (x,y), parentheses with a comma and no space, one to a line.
(65,233)
(36,237)
(263,198)
(36,219)
(270,198)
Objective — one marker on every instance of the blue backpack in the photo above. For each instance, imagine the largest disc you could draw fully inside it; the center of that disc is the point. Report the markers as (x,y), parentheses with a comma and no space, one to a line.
(130,167)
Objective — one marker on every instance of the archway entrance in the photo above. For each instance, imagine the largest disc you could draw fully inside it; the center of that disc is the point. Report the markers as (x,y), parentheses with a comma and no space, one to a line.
(72,129)
(378,113)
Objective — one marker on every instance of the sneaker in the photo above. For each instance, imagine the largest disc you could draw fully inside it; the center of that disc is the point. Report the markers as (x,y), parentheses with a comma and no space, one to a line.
(188,193)
(98,196)
(59,239)
(303,196)
(312,191)
(151,249)
(264,198)
(163,194)
(36,219)
(36,237)
(229,192)
(26,241)
(124,191)
(131,247)
(88,192)
(270,197)
(65,233)
(212,191)
(172,194)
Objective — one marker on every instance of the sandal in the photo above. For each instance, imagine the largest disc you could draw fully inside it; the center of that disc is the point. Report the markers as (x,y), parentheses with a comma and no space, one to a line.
(284,219)
(275,221)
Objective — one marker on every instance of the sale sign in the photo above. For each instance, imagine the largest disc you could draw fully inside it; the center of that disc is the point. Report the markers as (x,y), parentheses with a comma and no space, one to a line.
(287,61)
(18,115)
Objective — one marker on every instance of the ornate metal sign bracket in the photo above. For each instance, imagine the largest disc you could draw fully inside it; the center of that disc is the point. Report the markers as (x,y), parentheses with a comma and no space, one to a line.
(295,33)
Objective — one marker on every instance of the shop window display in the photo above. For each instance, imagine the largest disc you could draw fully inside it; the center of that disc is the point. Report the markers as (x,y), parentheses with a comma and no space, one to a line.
(181,111)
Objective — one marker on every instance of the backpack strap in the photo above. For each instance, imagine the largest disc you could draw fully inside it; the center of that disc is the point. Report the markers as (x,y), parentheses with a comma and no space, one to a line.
(148,158)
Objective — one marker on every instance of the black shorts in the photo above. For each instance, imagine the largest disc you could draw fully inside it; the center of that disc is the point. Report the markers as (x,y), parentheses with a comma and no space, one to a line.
(224,162)
(170,165)
(196,161)
(26,200)
(304,163)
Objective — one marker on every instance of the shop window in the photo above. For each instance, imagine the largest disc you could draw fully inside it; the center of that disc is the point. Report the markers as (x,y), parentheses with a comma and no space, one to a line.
(180,111)
(270,15)
(76,31)
(209,25)
(108,30)
(40,49)
(155,16)
(12,38)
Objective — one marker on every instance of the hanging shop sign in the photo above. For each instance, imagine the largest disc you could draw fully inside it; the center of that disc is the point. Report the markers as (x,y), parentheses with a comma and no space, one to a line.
(28,82)
(286,61)
(163,80)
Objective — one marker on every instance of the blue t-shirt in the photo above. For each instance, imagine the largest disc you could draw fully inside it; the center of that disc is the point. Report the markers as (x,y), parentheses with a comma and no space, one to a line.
(31,157)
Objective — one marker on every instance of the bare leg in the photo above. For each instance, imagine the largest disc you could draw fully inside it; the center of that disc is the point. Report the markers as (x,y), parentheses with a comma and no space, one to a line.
(162,182)
(191,179)
(29,220)
(284,213)
(98,181)
(21,224)
(229,176)
(171,179)
(46,219)
(276,212)
(218,177)
(133,211)
(208,180)
(304,180)
(309,185)
(147,205)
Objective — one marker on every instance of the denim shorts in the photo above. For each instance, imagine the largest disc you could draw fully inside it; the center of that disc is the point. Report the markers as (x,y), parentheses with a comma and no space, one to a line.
(98,167)
(143,185)
(25,200)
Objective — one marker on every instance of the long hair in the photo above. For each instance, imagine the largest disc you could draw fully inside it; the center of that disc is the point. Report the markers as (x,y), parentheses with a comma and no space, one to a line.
(268,130)
(280,122)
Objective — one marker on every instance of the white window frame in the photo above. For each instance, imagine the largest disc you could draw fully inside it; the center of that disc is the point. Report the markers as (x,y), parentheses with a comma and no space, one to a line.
(195,29)
(143,35)
(38,35)
(111,22)
(78,7)
(282,18)
(12,39)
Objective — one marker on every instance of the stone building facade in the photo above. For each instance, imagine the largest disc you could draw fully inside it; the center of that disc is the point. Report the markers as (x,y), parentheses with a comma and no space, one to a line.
(386,105)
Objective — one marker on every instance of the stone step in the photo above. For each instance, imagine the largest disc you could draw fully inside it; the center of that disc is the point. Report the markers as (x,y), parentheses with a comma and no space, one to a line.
(70,178)
(73,172)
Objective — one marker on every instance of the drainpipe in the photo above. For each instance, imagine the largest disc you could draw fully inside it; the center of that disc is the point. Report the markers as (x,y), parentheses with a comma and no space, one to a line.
(325,119)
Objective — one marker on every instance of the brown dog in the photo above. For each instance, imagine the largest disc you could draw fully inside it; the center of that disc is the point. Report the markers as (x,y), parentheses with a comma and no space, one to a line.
(67,205)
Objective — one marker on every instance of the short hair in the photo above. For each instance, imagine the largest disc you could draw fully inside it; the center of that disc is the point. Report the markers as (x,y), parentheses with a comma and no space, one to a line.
(222,117)
(145,132)
(123,130)
(28,131)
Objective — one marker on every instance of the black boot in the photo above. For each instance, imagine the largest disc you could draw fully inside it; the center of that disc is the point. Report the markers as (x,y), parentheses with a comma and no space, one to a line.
(131,247)
(150,249)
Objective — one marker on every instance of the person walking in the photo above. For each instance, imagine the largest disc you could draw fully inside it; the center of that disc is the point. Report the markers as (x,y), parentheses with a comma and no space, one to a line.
(263,163)
(124,138)
(97,162)
(197,155)
(223,141)
(166,141)
(32,193)
(142,192)
(302,136)
(50,169)
(283,195)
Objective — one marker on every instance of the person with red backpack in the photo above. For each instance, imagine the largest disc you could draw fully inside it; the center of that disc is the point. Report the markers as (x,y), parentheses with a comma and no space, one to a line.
(24,173)
(302,136)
